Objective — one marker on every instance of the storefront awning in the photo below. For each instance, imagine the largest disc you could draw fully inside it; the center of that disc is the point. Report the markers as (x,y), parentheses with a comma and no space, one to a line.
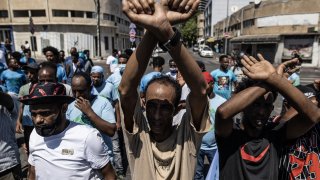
(256,39)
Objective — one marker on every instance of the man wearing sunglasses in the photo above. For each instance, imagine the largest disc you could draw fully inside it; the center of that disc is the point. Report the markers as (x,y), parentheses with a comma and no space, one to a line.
(155,148)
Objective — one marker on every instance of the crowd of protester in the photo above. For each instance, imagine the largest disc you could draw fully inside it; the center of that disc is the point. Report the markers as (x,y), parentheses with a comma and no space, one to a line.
(83,121)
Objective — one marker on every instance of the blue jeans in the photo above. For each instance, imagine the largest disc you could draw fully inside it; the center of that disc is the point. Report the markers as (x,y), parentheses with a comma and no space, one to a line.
(200,174)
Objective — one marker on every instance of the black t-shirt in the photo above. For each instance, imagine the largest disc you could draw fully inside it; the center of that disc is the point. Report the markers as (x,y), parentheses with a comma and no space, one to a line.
(242,157)
(301,159)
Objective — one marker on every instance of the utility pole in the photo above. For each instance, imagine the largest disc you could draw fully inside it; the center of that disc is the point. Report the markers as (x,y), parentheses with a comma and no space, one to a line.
(226,30)
(97,3)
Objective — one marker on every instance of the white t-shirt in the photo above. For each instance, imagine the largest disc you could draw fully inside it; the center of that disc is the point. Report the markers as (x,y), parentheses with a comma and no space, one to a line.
(76,153)
(112,62)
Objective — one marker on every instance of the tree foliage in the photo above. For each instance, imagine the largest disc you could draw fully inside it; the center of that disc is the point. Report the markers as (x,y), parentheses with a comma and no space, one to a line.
(189,30)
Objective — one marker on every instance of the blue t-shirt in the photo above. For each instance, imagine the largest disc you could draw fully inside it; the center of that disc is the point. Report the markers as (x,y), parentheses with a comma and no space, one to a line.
(115,79)
(61,73)
(223,82)
(106,90)
(102,107)
(24,60)
(209,140)
(146,79)
(13,80)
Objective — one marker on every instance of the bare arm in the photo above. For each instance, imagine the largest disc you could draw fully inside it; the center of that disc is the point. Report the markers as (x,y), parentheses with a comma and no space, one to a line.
(31,173)
(19,128)
(108,69)
(194,78)
(241,100)
(108,172)
(264,71)
(136,66)
(102,125)
(157,23)
(300,102)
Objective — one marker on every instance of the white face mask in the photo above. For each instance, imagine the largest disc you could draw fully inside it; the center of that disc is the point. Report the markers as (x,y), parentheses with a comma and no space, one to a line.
(173,70)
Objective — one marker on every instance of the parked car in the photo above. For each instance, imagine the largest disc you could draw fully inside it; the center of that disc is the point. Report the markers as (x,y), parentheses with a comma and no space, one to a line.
(195,48)
(206,52)
(201,46)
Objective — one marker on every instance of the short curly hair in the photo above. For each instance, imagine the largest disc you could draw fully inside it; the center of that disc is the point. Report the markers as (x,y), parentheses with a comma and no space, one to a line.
(52,49)
(168,81)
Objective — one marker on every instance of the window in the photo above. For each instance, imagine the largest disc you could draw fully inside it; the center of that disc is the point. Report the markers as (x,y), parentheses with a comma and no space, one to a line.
(60,13)
(33,43)
(106,43)
(118,20)
(20,13)
(108,17)
(91,15)
(5,34)
(112,18)
(38,13)
(248,23)
(3,13)
(79,14)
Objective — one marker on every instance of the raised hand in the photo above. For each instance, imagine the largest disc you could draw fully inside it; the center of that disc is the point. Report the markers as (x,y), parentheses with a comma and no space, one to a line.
(288,67)
(179,10)
(157,22)
(141,6)
(257,70)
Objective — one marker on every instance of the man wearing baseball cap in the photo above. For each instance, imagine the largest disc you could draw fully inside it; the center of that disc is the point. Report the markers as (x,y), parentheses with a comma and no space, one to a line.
(59,148)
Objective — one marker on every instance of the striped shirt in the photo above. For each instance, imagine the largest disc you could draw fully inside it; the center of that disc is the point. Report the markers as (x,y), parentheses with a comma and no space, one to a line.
(9,152)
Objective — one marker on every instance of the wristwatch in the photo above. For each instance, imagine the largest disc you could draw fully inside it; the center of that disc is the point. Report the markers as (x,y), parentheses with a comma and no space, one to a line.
(171,43)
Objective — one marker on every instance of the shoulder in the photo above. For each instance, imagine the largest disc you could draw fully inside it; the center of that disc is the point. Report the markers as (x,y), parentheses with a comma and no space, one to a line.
(5,72)
(101,101)
(77,128)
(214,72)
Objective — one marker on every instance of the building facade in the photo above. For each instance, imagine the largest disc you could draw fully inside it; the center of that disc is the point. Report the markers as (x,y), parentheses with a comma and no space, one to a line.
(64,24)
(275,28)
(200,26)
(216,10)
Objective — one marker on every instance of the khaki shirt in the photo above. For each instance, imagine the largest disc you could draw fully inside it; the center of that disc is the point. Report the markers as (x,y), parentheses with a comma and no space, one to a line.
(174,158)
